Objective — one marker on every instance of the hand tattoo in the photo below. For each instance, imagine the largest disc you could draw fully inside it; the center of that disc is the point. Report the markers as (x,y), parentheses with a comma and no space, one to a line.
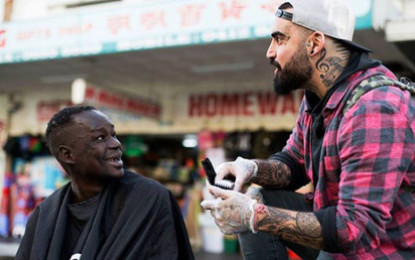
(233,215)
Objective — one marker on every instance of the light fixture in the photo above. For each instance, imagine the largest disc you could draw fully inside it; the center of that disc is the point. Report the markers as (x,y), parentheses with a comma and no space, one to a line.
(78,91)
(190,141)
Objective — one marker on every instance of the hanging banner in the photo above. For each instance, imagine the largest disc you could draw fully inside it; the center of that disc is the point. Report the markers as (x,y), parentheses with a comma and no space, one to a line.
(128,113)
(145,25)
(244,104)
(191,112)
(238,110)
(46,109)
(140,106)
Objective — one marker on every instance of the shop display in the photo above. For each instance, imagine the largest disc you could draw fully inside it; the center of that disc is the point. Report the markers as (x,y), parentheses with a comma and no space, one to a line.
(5,206)
(46,176)
(22,204)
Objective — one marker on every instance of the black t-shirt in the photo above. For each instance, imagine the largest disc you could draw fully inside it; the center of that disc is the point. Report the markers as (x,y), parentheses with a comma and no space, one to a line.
(79,214)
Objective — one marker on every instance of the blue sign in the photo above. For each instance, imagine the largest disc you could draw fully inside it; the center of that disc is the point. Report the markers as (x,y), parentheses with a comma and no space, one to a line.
(145,26)
(363,10)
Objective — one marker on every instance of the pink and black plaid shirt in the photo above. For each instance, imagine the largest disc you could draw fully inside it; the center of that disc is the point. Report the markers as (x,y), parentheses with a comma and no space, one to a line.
(366,162)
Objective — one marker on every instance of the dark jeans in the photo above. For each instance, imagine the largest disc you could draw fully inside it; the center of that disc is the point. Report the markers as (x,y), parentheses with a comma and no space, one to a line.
(266,246)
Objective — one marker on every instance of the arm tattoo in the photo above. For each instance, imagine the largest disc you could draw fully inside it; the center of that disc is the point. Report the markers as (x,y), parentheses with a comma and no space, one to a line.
(298,227)
(330,68)
(303,221)
(272,174)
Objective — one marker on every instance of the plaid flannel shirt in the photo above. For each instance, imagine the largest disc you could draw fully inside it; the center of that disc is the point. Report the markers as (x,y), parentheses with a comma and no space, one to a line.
(367,157)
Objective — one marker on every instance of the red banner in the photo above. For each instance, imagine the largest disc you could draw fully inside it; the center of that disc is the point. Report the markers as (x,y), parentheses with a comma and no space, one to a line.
(243,104)
(135,105)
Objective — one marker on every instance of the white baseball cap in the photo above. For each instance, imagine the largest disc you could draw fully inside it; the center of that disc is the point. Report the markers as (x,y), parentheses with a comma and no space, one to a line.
(334,18)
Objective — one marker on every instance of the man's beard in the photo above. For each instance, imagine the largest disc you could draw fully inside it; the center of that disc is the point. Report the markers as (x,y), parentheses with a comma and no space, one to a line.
(295,74)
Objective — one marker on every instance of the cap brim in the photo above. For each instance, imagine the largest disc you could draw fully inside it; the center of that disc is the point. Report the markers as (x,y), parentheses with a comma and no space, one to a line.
(355,46)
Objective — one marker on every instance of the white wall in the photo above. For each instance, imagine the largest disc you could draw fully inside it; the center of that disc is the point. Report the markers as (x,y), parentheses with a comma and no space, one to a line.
(23,9)
(385,10)
(1,10)
(25,120)
(409,8)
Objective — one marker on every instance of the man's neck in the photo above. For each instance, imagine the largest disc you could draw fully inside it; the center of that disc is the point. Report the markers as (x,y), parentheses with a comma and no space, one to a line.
(327,68)
(82,190)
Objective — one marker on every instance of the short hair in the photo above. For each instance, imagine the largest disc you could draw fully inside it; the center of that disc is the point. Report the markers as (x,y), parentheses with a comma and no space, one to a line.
(64,118)
(285,6)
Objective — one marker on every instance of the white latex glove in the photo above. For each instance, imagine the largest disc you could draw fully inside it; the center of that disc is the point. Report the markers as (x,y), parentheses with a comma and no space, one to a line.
(243,170)
(233,211)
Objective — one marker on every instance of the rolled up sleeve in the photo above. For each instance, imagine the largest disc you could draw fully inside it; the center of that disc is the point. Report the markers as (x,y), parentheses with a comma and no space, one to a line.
(293,152)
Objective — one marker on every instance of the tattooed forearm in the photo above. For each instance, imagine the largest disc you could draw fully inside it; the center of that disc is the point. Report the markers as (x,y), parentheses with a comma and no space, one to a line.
(298,227)
(272,174)
(308,224)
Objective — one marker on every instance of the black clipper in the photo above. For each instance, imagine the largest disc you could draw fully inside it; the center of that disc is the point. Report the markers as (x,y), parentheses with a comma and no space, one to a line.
(211,174)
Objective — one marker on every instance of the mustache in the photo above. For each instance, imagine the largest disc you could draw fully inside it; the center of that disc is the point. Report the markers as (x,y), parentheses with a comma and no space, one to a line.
(275,63)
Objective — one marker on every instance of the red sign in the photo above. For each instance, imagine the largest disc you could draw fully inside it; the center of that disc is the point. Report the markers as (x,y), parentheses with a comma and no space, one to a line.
(46,109)
(233,10)
(138,105)
(271,7)
(35,34)
(152,19)
(190,14)
(242,104)
(118,23)
(72,30)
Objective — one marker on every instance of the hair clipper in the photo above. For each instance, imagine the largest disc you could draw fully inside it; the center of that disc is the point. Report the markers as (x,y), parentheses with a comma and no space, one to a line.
(211,174)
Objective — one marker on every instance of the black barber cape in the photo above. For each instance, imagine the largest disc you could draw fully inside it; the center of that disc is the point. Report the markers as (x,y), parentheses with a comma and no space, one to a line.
(136,218)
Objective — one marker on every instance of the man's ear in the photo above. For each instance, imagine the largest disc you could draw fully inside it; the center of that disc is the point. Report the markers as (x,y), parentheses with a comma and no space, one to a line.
(315,43)
(65,155)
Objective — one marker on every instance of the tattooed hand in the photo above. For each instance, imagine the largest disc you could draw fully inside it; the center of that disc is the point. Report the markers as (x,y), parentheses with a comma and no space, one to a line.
(243,170)
(233,211)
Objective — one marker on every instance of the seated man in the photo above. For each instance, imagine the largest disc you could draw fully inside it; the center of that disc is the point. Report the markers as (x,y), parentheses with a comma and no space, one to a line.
(104,212)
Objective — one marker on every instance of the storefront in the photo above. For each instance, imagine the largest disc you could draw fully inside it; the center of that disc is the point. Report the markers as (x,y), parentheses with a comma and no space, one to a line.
(222,124)
(164,73)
